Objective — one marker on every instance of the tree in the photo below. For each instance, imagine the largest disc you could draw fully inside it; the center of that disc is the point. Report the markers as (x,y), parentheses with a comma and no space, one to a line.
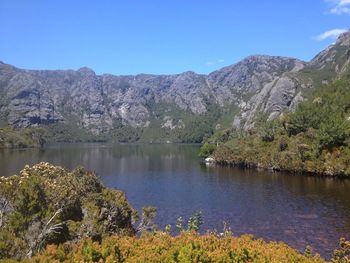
(333,131)
(307,115)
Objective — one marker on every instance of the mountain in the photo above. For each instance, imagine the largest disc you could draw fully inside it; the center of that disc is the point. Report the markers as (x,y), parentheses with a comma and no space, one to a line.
(165,106)
(286,91)
(312,135)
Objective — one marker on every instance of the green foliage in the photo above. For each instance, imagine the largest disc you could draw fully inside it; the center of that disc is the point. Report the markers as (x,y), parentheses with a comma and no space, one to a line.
(149,213)
(313,139)
(195,222)
(124,134)
(74,204)
(66,132)
(22,138)
(268,130)
(46,204)
(197,130)
(201,126)
(167,229)
(186,247)
(90,254)
(194,130)
(179,224)
(307,115)
(221,136)
(283,143)
(206,150)
(226,113)
(333,131)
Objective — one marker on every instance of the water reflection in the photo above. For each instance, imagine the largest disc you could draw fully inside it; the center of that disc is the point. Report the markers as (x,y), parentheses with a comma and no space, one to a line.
(296,209)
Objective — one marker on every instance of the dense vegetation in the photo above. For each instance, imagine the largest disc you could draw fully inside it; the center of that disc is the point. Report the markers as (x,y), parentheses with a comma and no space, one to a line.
(22,138)
(47,204)
(50,214)
(186,247)
(314,138)
(187,127)
(62,132)
(183,127)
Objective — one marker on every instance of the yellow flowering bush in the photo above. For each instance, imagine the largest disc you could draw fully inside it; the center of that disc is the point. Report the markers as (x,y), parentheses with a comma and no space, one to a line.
(47,204)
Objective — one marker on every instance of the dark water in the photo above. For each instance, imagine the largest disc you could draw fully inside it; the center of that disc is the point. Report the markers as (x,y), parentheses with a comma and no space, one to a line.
(296,209)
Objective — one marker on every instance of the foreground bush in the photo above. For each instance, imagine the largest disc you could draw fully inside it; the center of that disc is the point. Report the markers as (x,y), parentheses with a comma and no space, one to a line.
(50,214)
(47,204)
(187,247)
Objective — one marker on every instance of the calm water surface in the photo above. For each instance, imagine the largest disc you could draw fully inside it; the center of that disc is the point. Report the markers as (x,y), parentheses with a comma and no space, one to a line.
(296,209)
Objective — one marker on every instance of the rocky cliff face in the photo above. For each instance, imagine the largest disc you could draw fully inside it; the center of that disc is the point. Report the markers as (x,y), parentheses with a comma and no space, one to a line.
(284,91)
(258,84)
(100,102)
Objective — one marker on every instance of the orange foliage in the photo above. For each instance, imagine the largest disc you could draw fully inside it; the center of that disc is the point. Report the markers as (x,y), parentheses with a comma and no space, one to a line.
(186,247)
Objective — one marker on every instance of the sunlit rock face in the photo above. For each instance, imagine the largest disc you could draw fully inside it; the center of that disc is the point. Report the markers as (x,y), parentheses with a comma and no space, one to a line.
(257,84)
(98,102)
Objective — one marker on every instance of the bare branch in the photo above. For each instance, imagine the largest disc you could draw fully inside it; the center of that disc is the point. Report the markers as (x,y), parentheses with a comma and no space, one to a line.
(4,207)
(148,216)
(53,217)
(39,243)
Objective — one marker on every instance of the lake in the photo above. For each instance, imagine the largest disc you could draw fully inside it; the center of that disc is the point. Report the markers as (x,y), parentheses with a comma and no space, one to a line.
(298,210)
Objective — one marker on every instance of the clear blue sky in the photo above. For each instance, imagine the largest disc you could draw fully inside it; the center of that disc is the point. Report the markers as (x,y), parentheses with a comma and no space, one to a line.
(162,36)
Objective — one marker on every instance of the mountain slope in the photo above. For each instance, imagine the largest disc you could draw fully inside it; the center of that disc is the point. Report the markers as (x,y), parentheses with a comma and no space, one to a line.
(314,138)
(294,85)
(164,104)
(101,103)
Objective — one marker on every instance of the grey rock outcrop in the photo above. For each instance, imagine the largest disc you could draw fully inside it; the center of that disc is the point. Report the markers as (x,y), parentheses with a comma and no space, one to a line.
(99,103)
(34,97)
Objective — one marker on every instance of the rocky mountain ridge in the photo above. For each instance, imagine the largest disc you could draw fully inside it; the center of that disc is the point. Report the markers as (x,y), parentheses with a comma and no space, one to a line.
(100,103)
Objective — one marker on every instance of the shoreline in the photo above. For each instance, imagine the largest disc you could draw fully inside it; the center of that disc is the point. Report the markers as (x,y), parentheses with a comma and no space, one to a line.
(259,167)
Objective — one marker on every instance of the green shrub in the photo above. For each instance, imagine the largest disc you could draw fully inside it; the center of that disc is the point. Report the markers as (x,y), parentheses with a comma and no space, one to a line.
(206,150)
(47,204)
(333,131)
(268,130)
(307,115)
(195,222)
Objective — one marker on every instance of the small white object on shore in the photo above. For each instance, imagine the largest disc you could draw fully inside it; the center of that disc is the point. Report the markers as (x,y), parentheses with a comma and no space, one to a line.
(209,160)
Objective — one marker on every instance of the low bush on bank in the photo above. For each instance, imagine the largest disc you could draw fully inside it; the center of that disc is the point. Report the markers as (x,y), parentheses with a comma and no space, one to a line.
(187,247)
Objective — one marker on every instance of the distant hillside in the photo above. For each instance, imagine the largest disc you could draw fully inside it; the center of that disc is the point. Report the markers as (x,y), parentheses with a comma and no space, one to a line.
(313,138)
(187,107)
